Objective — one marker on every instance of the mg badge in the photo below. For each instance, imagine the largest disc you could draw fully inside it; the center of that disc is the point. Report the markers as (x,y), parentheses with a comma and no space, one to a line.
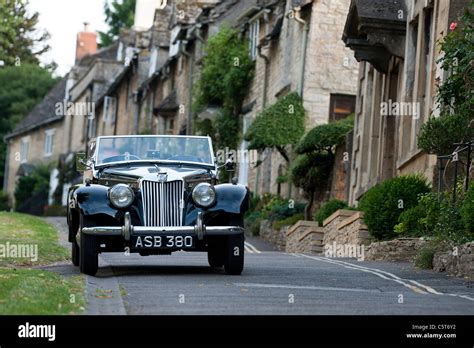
(162,177)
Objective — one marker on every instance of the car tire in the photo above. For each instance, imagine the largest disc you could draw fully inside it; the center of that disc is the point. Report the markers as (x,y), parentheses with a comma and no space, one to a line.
(75,253)
(216,255)
(89,255)
(234,259)
(234,251)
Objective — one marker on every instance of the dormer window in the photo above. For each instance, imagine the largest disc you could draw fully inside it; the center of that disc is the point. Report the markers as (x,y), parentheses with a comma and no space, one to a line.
(24,147)
(254,34)
(48,142)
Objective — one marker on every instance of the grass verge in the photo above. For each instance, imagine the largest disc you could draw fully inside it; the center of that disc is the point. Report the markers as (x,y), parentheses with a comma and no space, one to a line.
(21,229)
(27,291)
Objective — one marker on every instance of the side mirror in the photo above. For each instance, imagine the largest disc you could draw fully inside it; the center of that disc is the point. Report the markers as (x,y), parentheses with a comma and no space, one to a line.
(229,165)
(81,162)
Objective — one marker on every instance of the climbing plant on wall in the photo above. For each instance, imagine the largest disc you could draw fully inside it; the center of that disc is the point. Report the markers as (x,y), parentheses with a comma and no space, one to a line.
(227,71)
(456,93)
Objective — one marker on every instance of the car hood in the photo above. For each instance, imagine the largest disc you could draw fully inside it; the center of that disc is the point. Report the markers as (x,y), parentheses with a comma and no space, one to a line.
(133,173)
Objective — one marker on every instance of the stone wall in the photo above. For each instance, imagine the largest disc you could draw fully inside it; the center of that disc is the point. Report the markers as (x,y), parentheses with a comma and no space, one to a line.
(304,237)
(459,262)
(277,238)
(346,227)
(402,250)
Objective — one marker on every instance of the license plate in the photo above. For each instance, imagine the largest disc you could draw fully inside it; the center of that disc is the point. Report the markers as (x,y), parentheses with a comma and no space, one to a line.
(162,242)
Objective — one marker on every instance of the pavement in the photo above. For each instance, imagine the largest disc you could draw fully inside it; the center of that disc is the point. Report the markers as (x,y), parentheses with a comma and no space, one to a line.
(273,283)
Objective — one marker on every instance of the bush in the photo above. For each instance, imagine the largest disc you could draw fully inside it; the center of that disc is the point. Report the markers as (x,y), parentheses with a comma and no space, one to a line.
(450,224)
(284,209)
(252,222)
(383,203)
(467,209)
(289,221)
(329,208)
(420,220)
(424,257)
(35,184)
(4,206)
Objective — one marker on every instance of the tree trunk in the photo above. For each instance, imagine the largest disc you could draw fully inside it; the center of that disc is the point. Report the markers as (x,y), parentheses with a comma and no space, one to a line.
(309,207)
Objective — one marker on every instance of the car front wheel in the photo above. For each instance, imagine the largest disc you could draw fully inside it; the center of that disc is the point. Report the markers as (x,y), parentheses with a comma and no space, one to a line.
(89,255)
(216,255)
(75,253)
(234,258)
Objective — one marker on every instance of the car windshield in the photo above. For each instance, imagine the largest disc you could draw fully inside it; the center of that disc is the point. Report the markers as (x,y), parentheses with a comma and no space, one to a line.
(154,148)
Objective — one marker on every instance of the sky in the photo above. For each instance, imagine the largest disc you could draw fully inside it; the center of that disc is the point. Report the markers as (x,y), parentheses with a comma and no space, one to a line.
(63,19)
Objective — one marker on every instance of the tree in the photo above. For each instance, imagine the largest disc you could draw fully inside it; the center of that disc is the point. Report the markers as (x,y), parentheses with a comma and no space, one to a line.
(455,97)
(313,167)
(21,88)
(118,14)
(278,126)
(20,41)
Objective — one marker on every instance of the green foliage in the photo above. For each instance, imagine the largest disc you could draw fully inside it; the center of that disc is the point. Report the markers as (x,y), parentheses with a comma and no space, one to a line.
(67,174)
(311,172)
(4,205)
(20,40)
(21,88)
(325,137)
(118,14)
(34,184)
(455,95)
(329,208)
(450,225)
(252,222)
(285,209)
(289,221)
(424,257)
(383,203)
(313,167)
(226,74)
(467,209)
(279,125)
(421,219)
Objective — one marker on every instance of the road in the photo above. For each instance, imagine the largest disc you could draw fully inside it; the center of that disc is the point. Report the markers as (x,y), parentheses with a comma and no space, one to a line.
(272,283)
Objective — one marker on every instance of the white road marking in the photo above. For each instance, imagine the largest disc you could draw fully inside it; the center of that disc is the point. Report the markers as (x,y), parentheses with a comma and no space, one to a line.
(303,287)
(251,247)
(384,274)
(247,249)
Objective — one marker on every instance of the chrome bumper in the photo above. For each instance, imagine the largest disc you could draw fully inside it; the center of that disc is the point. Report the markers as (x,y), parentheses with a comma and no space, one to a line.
(127,230)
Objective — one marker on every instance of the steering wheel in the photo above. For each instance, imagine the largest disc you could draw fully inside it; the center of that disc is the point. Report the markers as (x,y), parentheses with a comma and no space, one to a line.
(185,159)
(121,158)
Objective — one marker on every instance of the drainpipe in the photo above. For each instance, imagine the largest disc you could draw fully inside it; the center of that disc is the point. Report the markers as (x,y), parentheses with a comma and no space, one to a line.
(7,166)
(304,45)
(266,60)
(190,56)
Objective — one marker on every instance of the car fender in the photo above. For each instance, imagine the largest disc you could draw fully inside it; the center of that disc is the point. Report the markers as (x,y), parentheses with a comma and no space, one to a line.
(92,200)
(231,198)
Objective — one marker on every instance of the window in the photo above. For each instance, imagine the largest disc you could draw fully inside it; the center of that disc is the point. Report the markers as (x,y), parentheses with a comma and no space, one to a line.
(341,106)
(254,31)
(110,110)
(24,149)
(48,142)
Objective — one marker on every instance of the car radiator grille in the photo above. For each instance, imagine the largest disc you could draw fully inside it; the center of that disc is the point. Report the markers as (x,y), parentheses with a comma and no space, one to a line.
(162,203)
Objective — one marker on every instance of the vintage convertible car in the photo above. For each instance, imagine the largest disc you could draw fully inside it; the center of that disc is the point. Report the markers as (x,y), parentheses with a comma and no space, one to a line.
(154,195)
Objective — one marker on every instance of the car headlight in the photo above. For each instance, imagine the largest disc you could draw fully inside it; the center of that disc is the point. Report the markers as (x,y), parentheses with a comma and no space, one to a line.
(121,196)
(204,195)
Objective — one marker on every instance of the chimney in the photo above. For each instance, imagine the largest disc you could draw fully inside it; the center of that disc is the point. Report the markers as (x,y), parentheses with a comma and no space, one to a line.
(86,42)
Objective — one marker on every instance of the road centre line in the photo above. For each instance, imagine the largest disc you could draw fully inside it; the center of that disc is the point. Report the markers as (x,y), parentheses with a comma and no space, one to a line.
(422,288)
(302,287)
